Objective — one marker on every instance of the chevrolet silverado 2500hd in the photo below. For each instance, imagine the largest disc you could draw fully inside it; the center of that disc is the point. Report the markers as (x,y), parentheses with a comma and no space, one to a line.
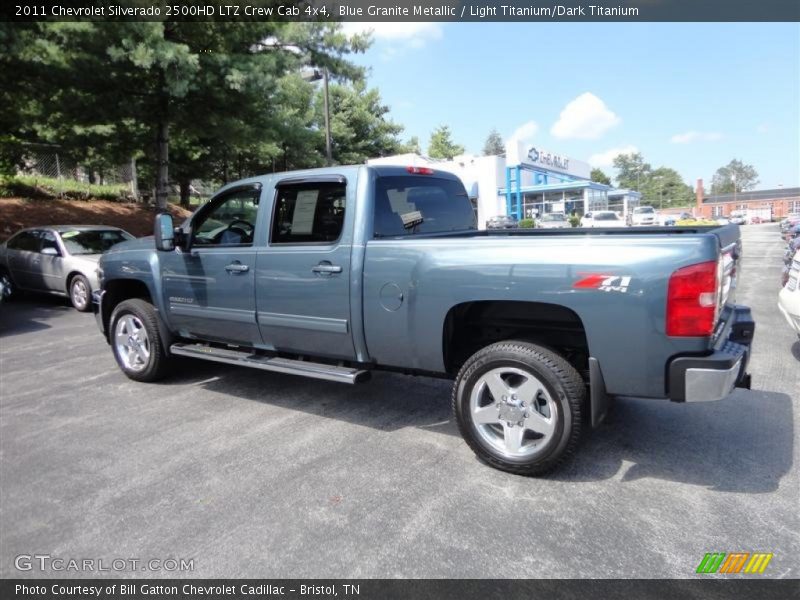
(335,272)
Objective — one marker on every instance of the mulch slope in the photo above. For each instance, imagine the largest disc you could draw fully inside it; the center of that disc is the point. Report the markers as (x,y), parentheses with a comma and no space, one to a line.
(17,213)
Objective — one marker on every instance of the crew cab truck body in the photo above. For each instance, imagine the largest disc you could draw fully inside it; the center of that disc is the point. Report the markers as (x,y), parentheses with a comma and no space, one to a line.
(332,273)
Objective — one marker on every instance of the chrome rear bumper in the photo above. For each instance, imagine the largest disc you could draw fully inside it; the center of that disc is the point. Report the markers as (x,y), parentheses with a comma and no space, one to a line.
(713,377)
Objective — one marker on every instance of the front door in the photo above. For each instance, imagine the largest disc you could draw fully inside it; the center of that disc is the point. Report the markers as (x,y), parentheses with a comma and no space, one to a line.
(209,291)
(52,263)
(303,279)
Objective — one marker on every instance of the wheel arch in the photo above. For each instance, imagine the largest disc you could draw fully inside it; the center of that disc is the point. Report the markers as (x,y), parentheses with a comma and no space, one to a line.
(470,326)
(71,275)
(119,290)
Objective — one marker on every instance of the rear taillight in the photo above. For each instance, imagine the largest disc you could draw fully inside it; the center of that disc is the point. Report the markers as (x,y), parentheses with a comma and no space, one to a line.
(693,300)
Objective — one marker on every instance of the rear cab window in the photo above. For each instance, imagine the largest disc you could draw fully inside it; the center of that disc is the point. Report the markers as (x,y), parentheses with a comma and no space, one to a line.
(410,205)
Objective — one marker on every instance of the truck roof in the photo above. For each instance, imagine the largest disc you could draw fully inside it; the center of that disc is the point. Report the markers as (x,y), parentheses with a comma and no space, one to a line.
(346,170)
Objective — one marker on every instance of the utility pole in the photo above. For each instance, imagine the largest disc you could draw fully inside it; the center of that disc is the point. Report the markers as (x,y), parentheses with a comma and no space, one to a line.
(328,155)
(312,75)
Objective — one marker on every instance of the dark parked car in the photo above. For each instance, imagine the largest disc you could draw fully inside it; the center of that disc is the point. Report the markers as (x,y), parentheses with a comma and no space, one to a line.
(792,232)
(59,260)
(502,222)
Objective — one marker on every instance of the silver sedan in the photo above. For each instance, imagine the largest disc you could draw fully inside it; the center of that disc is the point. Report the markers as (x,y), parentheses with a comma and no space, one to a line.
(59,260)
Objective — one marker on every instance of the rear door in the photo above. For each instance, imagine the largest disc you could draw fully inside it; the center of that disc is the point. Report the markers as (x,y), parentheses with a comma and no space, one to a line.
(22,252)
(209,291)
(303,289)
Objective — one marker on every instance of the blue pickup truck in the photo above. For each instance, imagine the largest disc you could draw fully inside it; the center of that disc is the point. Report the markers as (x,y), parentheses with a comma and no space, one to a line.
(332,273)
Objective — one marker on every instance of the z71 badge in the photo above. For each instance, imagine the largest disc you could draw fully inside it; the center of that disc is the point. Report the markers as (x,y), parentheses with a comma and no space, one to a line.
(604,283)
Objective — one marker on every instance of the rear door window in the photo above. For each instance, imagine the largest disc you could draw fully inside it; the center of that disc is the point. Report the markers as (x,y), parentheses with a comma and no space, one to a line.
(308,213)
(419,204)
(27,241)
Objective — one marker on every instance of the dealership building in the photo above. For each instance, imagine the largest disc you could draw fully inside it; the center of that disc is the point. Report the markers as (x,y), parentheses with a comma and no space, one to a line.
(777,203)
(526,182)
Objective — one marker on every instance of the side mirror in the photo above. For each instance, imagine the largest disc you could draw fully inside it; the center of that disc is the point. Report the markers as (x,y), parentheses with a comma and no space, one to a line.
(49,251)
(164,233)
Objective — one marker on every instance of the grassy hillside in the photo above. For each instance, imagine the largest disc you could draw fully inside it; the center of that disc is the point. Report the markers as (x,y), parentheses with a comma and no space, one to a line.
(34,201)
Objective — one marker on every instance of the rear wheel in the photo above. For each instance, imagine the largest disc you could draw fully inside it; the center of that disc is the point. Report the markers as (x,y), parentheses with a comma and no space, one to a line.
(518,406)
(80,293)
(136,341)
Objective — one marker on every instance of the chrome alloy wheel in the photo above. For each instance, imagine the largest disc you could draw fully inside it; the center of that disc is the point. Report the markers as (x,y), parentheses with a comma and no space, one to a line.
(6,287)
(513,412)
(79,293)
(132,343)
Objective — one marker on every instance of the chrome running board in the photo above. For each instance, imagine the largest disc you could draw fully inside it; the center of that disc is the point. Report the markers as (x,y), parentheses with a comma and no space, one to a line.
(272,363)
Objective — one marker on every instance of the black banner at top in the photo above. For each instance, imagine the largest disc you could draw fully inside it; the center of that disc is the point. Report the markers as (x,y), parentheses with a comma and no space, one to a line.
(597,11)
(397,589)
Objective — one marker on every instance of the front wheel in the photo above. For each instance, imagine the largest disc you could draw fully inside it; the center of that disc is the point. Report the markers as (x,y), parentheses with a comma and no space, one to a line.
(6,286)
(518,406)
(136,341)
(80,293)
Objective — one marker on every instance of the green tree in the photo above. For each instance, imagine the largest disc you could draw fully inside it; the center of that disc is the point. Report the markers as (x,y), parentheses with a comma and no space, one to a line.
(664,188)
(411,146)
(360,127)
(212,93)
(735,176)
(598,176)
(493,146)
(631,170)
(442,145)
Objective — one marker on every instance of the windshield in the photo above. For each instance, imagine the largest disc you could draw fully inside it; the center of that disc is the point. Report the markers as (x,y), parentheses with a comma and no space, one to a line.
(94,241)
(605,216)
(643,210)
(554,217)
(410,205)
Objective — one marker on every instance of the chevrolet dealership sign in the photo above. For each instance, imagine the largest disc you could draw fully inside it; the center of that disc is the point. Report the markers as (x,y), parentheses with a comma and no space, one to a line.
(518,153)
(543,157)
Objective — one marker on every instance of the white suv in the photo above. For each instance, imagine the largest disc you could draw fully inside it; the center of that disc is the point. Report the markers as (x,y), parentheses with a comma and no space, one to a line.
(789,297)
(644,215)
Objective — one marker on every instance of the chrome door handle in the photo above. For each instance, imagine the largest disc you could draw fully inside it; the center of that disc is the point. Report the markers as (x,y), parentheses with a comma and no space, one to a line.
(237,268)
(327,269)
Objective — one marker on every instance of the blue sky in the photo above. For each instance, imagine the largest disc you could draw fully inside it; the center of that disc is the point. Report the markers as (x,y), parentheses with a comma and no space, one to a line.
(688,96)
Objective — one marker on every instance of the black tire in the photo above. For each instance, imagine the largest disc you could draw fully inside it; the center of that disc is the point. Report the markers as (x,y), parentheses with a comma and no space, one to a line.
(563,393)
(80,293)
(143,315)
(8,290)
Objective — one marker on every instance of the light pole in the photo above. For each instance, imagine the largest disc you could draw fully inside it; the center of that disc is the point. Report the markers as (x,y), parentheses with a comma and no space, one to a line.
(315,75)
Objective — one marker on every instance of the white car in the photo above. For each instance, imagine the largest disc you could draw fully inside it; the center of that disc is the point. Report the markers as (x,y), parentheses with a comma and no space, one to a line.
(553,220)
(739,218)
(602,218)
(644,216)
(789,296)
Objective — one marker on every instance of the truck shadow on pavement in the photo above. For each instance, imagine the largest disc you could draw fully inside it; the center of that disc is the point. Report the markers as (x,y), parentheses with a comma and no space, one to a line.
(741,444)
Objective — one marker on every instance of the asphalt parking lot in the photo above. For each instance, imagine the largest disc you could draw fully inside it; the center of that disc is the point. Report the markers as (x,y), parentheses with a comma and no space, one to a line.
(253,474)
